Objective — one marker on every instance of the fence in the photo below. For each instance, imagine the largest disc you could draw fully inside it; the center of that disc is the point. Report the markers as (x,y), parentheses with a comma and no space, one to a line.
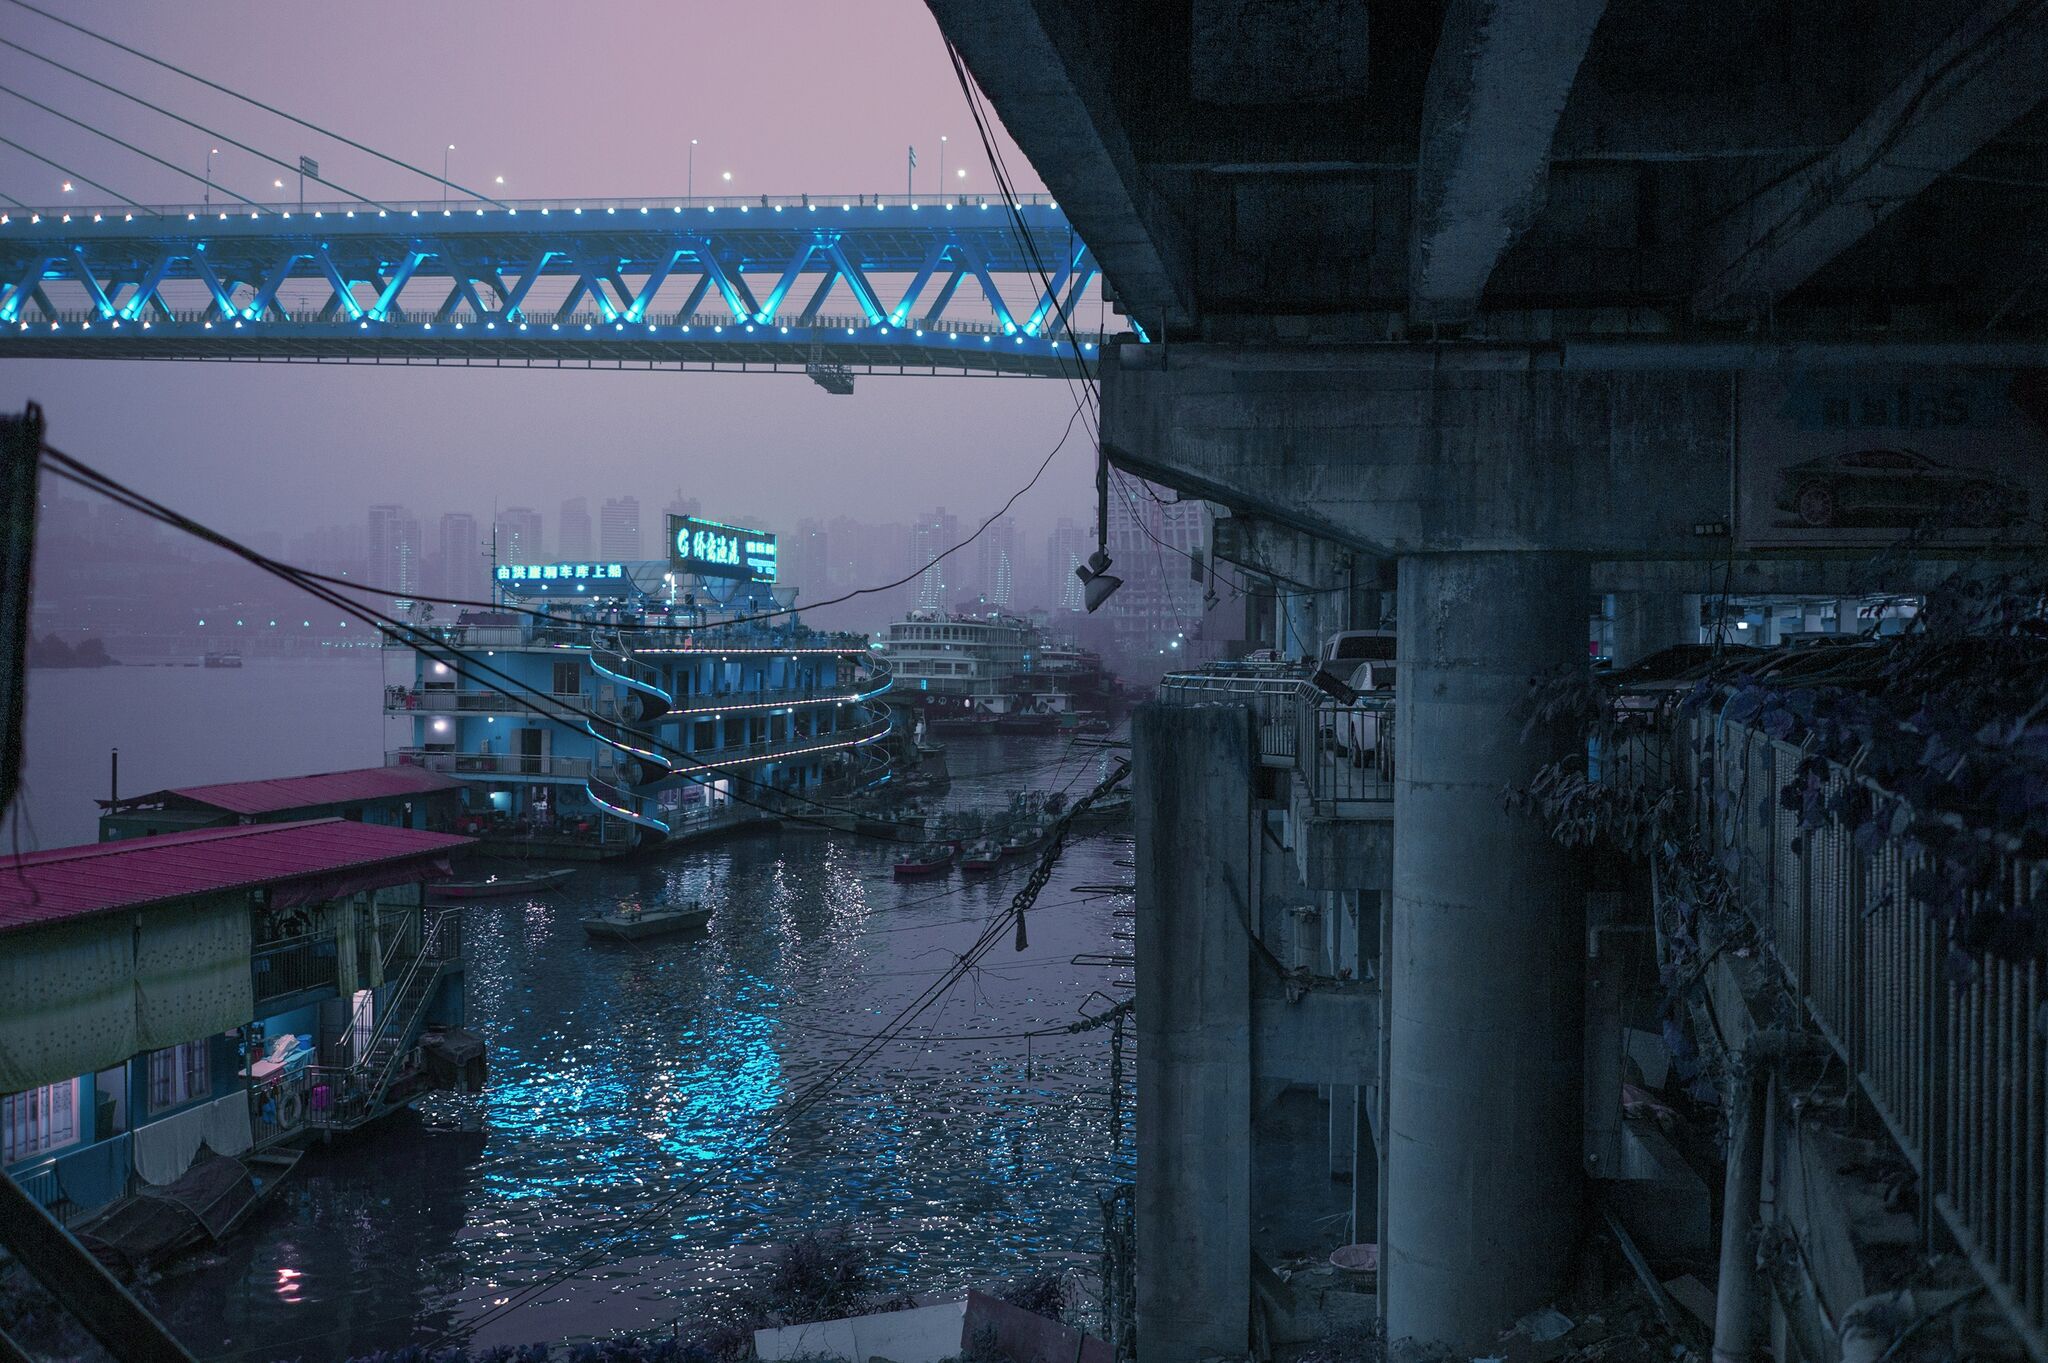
(1954,1066)
(286,967)
(1345,753)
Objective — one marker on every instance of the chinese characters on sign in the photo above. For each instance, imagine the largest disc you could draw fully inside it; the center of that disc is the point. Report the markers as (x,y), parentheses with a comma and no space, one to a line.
(710,549)
(561,572)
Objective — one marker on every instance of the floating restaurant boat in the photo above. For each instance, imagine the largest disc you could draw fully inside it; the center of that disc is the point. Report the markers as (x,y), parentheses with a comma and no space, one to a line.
(633,923)
(229,659)
(500,887)
(931,860)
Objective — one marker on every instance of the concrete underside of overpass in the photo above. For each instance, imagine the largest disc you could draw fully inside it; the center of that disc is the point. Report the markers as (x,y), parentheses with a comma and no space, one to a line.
(1491,304)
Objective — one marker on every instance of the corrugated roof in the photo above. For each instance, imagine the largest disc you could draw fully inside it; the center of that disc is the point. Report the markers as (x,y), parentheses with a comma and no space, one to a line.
(71,882)
(307,792)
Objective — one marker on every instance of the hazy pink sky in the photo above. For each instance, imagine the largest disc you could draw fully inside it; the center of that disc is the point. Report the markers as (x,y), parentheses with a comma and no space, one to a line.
(564,100)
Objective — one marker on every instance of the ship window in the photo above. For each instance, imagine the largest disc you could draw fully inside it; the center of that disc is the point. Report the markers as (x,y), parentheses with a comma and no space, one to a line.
(568,679)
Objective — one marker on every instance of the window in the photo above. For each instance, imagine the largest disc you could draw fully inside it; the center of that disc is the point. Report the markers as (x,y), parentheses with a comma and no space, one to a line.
(178,1074)
(38,1120)
(568,679)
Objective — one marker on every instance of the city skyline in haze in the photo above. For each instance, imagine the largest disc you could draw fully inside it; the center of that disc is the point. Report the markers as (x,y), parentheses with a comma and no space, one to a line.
(283,448)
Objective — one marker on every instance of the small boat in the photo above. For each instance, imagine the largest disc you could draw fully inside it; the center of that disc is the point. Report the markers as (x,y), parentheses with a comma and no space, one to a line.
(933,859)
(499,887)
(631,923)
(223,659)
(983,856)
(1023,842)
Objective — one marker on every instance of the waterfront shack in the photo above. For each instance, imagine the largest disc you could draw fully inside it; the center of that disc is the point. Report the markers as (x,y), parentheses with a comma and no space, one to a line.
(242,987)
(400,797)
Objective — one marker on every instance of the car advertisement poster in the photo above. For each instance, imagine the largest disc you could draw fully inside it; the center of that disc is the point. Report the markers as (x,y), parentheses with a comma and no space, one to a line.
(1865,458)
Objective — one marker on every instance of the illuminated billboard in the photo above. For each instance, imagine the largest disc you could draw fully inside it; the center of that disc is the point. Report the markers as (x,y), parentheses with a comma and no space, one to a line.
(710,549)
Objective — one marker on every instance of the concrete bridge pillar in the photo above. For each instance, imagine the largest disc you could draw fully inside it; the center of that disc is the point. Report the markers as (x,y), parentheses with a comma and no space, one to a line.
(1197,902)
(1484,1158)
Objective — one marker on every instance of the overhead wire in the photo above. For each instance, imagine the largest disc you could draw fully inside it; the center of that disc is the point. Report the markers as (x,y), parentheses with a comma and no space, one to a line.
(167,113)
(814,1093)
(121,142)
(458,660)
(250,100)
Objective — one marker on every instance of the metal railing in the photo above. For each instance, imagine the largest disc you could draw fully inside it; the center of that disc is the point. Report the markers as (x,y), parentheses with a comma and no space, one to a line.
(288,966)
(491,763)
(1345,753)
(355,1090)
(466,206)
(447,700)
(1957,1068)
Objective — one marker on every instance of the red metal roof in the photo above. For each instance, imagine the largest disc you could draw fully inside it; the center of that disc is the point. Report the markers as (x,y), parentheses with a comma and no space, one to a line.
(71,882)
(309,792)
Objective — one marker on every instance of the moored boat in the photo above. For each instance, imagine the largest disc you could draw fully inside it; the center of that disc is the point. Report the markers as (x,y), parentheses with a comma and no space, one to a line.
(933,859)
(499,886)
(983,856)
(631,923)
(1023,842)
(226,659)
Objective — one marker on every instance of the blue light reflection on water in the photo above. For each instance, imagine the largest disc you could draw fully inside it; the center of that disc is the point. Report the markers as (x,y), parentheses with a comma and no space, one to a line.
(621,1076)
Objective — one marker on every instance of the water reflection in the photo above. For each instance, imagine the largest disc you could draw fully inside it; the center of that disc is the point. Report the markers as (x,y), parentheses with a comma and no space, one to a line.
(637,1092)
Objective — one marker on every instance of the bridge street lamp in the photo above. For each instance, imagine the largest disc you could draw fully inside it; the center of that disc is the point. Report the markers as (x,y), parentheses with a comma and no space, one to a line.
(690,192)
(942,165)
(209,173)
(444,174)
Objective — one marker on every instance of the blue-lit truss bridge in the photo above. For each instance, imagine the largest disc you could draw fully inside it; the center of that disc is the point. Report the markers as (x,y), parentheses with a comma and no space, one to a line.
(830,286)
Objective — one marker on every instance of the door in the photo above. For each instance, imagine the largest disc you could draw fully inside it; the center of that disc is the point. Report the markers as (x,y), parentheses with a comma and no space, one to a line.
(533,746)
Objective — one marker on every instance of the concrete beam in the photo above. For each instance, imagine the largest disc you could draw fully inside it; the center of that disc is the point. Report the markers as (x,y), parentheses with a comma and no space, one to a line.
(1044,65)
(1991,70)
(1406,456)
(1330,1034)
(1497,88)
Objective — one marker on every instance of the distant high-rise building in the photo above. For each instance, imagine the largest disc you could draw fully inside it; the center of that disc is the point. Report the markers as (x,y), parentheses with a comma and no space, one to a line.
(618,530)
(806,561)
(679,505)
(394,545)
(519,539)
(573,538)
(461,552)
(1065,550)
(934,533)
(996,578)
(1160,549)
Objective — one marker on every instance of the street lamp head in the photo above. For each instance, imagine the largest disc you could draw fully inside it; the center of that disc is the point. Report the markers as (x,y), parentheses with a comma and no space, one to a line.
(277,184)
(501,179)
(728,175)
(451,146)
(693,141)
(961,173)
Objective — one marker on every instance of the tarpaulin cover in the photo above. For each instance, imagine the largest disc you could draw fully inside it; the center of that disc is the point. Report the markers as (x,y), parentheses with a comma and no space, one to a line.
(67,1002)
(192,975)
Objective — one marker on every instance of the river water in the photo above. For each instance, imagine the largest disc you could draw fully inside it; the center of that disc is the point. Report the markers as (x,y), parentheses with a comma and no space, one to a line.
(635,1111)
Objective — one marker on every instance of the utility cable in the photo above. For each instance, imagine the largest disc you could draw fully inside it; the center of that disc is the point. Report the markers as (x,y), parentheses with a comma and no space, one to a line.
(456,659)
(221,136)
(814,1092)
(70,174)
(246,99)
(81,123)
(463,663)
(349,584)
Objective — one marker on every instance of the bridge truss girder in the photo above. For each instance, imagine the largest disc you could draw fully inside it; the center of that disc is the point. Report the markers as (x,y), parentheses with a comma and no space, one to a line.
(524,279)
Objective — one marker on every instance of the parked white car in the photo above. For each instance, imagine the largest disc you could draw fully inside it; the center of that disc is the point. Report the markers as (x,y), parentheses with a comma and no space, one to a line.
(1364,658)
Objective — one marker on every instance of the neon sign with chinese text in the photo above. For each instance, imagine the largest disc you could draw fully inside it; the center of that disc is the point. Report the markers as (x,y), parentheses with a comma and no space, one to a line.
(711,549)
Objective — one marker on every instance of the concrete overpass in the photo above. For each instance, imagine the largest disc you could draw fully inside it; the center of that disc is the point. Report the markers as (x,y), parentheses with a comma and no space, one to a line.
(1502,301)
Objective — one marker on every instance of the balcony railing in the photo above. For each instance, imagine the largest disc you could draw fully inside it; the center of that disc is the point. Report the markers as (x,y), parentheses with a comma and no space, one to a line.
(1345,753)
(544,767)
(286,967)
(1954,1068)
(399,700)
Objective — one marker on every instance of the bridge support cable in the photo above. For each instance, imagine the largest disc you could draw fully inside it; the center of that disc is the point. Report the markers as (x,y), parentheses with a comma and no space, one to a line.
(218,136)
(68,173)
(119,142)
(249,100)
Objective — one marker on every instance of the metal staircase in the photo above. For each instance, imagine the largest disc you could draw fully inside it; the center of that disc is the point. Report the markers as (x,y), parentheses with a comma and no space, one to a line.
(360,1090)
